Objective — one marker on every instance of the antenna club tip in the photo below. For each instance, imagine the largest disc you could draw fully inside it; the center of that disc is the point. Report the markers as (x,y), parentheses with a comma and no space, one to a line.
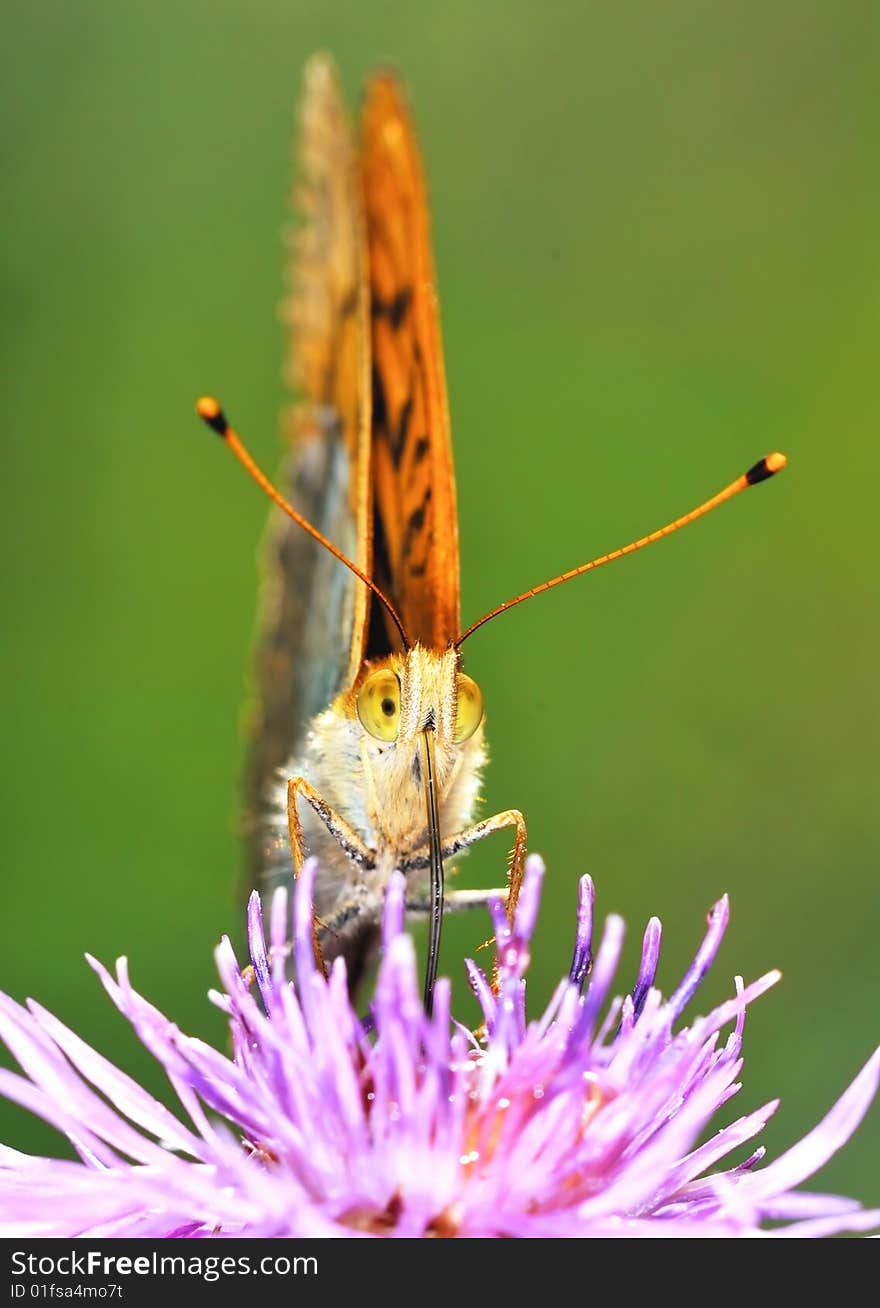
(210,412)
(764,468)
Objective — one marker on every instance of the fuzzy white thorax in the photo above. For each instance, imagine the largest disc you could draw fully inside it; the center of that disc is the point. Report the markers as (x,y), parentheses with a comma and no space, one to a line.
(377,787)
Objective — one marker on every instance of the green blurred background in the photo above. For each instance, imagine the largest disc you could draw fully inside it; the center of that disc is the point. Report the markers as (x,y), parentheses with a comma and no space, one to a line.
(656,234)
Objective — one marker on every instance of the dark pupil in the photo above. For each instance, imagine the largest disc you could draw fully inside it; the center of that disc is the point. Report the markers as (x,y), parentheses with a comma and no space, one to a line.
(388,707)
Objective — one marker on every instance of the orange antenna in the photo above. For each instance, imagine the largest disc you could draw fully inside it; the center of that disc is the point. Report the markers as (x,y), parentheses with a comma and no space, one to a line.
(210,412)
(763,469)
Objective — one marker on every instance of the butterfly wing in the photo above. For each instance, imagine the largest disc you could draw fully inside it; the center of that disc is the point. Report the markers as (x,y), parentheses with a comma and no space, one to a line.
(415,516)
(313,611)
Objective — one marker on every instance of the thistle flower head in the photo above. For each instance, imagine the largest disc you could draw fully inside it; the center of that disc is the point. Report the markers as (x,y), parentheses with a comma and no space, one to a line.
(583,1121)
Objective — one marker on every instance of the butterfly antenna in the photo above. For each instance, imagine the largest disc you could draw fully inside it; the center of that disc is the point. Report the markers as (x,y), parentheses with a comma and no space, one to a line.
(764,468)
(211,413)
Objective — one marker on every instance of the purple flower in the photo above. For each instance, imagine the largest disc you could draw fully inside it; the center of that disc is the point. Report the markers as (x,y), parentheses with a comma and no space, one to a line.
(583,1122)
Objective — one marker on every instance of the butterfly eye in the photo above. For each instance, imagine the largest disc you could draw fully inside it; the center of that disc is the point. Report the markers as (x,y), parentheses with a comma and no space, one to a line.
(469,708)
(378,705)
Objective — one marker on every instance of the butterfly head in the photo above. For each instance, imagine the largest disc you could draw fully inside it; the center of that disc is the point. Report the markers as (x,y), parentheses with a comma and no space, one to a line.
(402,696)
(420,723)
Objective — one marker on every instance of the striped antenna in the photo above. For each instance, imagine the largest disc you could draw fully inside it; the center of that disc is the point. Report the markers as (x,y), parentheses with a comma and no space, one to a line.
(760,471)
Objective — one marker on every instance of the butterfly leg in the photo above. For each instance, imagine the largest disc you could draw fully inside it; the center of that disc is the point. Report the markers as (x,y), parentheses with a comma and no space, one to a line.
(344,835)
(510,818)
(458,901)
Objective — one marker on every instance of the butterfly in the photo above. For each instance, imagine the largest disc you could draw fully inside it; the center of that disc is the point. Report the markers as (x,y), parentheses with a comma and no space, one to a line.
(368,742)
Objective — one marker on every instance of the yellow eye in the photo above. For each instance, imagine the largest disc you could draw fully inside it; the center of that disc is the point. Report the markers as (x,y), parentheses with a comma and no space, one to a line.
(378,705)
(469,708)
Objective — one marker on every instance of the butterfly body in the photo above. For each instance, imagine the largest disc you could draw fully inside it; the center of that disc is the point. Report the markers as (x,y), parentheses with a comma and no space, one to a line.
(376,790)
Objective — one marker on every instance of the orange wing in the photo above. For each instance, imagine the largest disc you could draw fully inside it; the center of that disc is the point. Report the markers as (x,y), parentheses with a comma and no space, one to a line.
(415,524)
